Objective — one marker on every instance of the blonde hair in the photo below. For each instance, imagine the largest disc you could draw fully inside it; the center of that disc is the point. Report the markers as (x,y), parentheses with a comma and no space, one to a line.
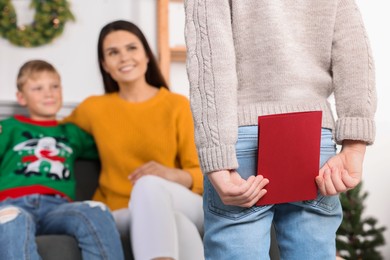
(30,69)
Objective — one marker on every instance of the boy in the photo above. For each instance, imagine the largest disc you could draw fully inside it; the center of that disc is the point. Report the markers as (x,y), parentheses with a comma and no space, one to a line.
(37,185)
(252,58)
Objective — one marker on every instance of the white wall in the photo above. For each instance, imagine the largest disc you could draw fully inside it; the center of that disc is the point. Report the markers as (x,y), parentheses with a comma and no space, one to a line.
(74,54)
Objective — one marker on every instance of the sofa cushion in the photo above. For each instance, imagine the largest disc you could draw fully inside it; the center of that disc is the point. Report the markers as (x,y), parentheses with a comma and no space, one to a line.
(59,247)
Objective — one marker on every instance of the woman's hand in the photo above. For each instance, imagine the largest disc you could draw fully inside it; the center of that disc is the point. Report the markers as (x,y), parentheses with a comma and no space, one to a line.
(344,170)
(157,169)
(234,190)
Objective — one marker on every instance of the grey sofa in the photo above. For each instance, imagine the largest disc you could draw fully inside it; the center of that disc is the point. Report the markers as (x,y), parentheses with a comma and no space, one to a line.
(63,247)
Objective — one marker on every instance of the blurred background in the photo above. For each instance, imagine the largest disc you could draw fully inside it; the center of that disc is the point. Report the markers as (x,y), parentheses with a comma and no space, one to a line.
(74,55)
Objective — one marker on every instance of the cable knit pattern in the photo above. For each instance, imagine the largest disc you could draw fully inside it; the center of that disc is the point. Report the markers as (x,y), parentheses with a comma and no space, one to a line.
(207,87)
(257,57)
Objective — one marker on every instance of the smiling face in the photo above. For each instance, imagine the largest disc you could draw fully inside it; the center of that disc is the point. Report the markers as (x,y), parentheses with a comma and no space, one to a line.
(42,95)
(125,58)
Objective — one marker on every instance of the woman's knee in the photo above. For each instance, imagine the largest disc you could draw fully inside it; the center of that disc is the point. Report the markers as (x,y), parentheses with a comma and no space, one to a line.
(149,192)
(148,184)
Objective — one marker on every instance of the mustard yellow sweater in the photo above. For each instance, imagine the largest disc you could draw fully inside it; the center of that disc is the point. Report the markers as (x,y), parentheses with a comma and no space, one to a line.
(130,134)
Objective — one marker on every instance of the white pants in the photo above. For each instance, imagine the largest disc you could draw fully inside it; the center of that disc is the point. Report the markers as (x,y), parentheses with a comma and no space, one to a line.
(164,219)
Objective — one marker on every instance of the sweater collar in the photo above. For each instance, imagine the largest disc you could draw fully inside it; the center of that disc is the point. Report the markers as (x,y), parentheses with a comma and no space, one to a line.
(156,98)
(27,120)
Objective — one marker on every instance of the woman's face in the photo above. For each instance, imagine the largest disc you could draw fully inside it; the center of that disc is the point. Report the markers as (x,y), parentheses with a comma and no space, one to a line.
(125,58)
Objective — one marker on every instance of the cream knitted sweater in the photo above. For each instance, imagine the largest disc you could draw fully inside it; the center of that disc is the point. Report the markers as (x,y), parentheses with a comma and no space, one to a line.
(256,57)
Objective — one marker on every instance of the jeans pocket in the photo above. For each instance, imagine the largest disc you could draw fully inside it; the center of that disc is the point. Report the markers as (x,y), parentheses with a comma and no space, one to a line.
(325,204)
(217,207)
(246,150)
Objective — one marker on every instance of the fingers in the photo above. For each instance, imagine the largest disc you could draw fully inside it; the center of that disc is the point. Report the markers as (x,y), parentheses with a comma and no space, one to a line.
(334,181)
(257,193)
(349,181)
(338,182)
(321,182)
(149,168)
(327,186)
(324,168)
(133,177)
(245,194)
(139,172)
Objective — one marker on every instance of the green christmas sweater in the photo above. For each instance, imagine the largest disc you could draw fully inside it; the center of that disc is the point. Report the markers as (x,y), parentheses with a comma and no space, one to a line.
(37,157)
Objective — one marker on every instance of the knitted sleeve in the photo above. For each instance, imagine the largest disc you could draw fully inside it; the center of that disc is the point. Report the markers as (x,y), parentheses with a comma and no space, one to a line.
(4,138)
(353,76)
(213,81)
(86,144)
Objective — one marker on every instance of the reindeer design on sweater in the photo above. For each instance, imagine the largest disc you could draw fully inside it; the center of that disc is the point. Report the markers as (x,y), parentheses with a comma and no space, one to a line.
(45,149)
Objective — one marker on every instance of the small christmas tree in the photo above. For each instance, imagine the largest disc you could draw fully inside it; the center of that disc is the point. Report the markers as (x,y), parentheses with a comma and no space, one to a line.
(358,237)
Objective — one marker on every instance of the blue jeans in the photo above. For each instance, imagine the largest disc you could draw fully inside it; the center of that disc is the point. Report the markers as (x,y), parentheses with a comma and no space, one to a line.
(91,223)
(304,230)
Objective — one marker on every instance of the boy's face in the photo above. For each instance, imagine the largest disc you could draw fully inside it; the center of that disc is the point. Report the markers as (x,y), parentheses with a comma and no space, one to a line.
(42,95)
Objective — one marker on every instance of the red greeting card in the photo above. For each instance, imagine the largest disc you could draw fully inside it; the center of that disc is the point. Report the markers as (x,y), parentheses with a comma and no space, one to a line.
(289,154)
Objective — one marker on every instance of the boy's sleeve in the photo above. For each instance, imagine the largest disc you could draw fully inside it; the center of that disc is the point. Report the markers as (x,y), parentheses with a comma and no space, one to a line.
(2,142)
(83,142)
(88,146)
(4,139)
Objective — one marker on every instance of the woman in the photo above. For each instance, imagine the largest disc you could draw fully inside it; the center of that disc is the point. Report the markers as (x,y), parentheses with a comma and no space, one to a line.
(145,138)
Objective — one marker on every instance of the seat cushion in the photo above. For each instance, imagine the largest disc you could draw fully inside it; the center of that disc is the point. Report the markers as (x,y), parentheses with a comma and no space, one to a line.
(59,247)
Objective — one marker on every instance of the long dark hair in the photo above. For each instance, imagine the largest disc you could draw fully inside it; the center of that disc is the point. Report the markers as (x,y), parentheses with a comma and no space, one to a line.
(153,75)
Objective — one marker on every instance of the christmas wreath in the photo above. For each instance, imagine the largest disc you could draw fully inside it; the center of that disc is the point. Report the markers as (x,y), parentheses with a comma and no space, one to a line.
(49,22)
